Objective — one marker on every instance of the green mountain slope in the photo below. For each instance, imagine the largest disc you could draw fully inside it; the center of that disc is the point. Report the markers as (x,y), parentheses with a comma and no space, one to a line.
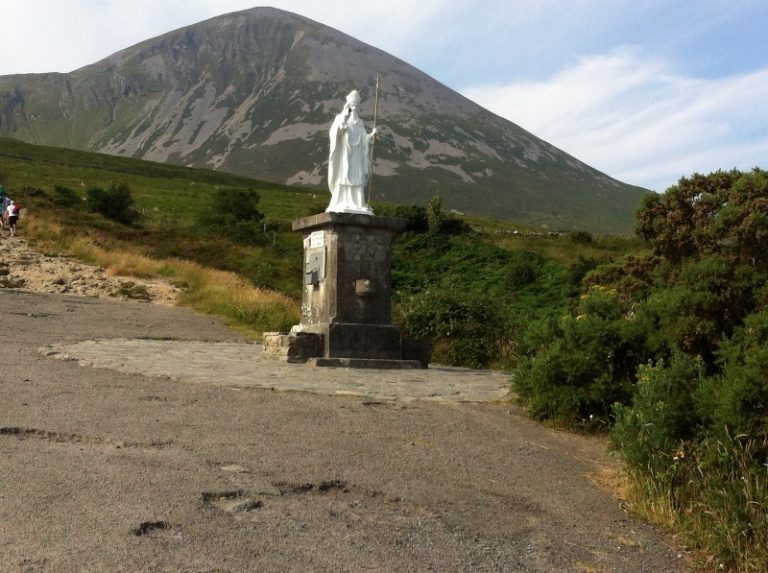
(254,92)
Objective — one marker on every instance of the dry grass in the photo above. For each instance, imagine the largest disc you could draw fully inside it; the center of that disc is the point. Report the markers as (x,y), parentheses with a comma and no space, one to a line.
(246,307)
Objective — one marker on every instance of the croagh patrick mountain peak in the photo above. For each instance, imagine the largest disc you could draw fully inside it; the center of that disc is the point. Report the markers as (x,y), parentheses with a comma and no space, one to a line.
(254,93)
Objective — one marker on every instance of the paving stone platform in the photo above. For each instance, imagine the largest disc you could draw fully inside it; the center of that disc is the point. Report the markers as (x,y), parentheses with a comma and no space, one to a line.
(244,365)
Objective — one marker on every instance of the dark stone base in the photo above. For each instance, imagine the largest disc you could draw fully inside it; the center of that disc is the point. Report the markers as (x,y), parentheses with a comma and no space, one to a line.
(370,341)
(419,349)
(350,346)
(366,363)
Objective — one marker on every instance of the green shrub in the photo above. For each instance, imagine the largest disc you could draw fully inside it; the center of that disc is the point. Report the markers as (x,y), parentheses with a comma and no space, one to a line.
(440,222)
(65,197)
(723,213)
(115,203)
(695,436)
(705,276)
(519,286)
(435,214)
(582,364)
(633,277)
(523,269)
(581,237)
(580,267)
(423,261)
(735,401)
(652,432)
(415,215)
(464,328)
(233,213)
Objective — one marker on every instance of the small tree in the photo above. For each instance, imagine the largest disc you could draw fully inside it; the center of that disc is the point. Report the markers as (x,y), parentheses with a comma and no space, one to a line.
(115,203)
(435,214)
(233,213)
(416,216)
(438,221)
(65,197)
(581,237)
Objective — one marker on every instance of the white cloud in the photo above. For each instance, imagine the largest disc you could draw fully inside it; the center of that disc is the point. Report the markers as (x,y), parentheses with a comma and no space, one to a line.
(44,36)
(640,121)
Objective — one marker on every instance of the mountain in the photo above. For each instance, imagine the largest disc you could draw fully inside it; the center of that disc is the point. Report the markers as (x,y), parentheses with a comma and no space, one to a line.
(254,93)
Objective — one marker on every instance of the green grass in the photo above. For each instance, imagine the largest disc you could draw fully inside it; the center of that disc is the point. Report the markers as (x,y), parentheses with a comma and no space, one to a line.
(163,192)
(562,249)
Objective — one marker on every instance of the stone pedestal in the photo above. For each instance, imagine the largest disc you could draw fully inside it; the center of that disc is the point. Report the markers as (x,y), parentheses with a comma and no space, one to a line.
(347,291)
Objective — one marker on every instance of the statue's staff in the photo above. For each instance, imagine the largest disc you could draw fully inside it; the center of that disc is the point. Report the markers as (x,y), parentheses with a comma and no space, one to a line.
(373,140)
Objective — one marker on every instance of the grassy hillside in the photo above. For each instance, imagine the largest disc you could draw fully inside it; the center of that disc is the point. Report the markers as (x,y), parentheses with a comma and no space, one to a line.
(162,190)
(169,198)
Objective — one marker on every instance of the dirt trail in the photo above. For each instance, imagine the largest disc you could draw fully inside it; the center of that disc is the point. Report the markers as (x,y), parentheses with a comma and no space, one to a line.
(111,469)
(23,267)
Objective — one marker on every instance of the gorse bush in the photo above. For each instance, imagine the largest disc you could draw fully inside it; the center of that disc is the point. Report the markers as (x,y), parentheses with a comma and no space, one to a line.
(578,367)
(671,349)
(65,197)
(735,399)
(652,432)
(473,299)
(115,203)
(725,213)
(465,328)
(233,213)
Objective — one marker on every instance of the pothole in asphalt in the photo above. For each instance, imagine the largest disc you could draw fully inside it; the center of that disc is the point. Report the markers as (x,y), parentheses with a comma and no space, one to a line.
(21,433)
(34,314)
(308,487)
(210,496)
(233,502)
(147,527)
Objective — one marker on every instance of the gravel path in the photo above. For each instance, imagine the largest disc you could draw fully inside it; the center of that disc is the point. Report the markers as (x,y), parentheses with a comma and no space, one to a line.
(23,267)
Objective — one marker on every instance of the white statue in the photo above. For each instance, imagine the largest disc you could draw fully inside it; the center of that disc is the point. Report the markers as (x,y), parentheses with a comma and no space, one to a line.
(349,161)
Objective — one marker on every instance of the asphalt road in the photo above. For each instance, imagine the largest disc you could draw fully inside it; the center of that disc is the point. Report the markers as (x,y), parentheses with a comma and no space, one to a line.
(104,469)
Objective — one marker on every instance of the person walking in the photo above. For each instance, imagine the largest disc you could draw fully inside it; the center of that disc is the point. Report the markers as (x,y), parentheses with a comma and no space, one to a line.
(12,212)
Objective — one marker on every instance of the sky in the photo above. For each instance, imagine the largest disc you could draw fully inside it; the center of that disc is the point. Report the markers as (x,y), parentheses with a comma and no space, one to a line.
(647,91)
